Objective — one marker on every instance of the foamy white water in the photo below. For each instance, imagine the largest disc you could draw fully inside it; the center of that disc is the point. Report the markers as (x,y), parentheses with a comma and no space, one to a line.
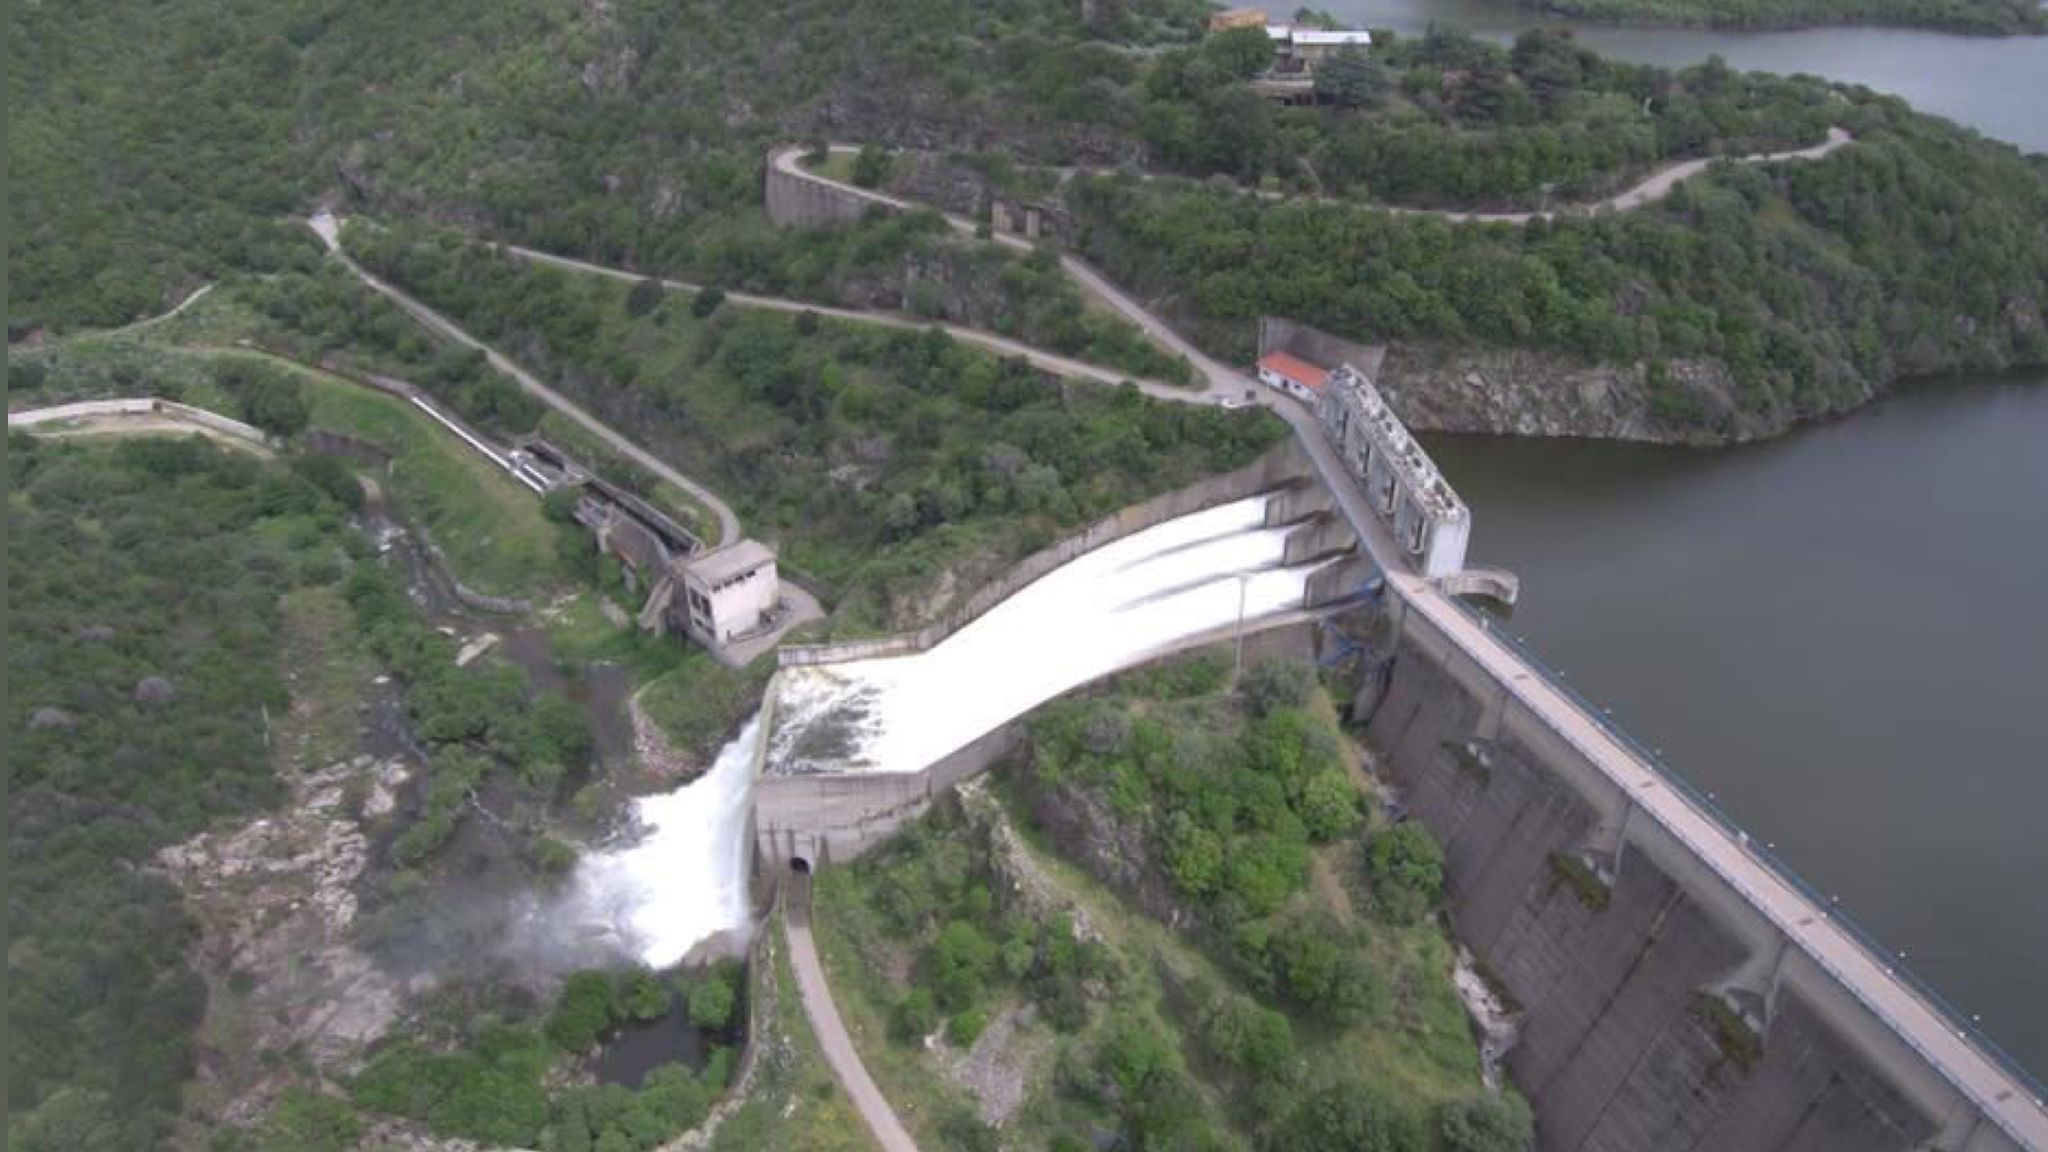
(684,879)
(1106,610)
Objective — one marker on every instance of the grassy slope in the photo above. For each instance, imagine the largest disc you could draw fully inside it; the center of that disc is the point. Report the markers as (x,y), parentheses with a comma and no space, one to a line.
(820,433)
(491,528)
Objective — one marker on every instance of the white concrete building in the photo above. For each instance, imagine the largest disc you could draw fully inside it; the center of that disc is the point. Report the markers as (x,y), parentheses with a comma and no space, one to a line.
(1287,373)
(1405,489)
(729,594)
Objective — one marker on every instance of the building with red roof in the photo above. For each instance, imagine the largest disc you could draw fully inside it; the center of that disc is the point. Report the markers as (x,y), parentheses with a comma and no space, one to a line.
(1292,375)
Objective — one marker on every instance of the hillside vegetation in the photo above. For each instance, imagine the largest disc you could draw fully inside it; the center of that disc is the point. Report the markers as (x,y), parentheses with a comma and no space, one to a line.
(1182,921)
(145,590)
(893,468)
(155,146)
(1787,291)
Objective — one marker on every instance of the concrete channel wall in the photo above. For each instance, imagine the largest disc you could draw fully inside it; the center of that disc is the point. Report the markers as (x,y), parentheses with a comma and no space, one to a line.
(1284,468)
(1633,962)
(834,817)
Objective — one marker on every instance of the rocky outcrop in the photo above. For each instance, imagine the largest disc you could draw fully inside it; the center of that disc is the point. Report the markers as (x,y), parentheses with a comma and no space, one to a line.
(1520,392)
(276,904)
(1108,848)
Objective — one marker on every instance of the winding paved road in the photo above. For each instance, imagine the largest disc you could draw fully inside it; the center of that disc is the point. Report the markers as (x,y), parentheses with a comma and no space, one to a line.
(1650,189)
(329,230)
(1052,362)
(816,994)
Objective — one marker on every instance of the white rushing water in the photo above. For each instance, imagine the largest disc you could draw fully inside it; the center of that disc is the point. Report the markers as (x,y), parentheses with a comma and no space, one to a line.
(685,879)
(1106,610)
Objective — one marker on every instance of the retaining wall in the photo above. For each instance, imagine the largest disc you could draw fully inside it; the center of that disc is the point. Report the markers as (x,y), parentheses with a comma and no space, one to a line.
(1628,954)
(88,409)
(1283,467)
(795,202)
(1278,334)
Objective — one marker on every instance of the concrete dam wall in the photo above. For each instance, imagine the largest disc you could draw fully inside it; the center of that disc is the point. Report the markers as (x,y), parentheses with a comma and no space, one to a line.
(1660,1008)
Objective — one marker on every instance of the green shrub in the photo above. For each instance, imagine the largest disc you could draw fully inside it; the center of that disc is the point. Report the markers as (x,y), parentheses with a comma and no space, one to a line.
(966,1027)
(914,1018)
(644,997)
(711,1003)
(1487,1123)
(645,297)
(1347,1117)
(587,1007)
(1406,868)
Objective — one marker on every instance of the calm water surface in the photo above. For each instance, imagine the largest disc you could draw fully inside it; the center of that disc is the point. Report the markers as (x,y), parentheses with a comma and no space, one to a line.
(1997,86)
(1842,634)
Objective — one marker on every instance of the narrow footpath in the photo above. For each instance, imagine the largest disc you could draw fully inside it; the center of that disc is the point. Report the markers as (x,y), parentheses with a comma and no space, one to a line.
(831,1029)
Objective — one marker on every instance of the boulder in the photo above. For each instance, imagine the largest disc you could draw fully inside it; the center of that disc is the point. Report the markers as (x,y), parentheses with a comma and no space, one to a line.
(155,691)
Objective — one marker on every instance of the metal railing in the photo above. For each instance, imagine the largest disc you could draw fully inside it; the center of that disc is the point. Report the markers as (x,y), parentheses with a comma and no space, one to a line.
(1964,1026)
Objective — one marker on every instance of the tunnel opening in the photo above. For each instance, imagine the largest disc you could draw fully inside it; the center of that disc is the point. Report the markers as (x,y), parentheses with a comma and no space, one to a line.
(799,866)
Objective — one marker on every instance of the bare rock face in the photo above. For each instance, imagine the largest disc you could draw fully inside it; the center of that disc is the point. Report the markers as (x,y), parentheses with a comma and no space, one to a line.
(1020,882)
(1522,392)
(154,691)
(1108,848)
(276,905)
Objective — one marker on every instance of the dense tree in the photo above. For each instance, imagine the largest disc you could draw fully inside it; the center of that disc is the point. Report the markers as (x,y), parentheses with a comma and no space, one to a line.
(870,166)
(162,558)
(1350,78)
(1406,869)
(1239,53)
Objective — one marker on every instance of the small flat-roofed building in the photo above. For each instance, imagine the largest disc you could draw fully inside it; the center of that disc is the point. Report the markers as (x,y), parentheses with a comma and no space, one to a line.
(1311,45)
(729,594)
(1288,373)
(1237,18)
